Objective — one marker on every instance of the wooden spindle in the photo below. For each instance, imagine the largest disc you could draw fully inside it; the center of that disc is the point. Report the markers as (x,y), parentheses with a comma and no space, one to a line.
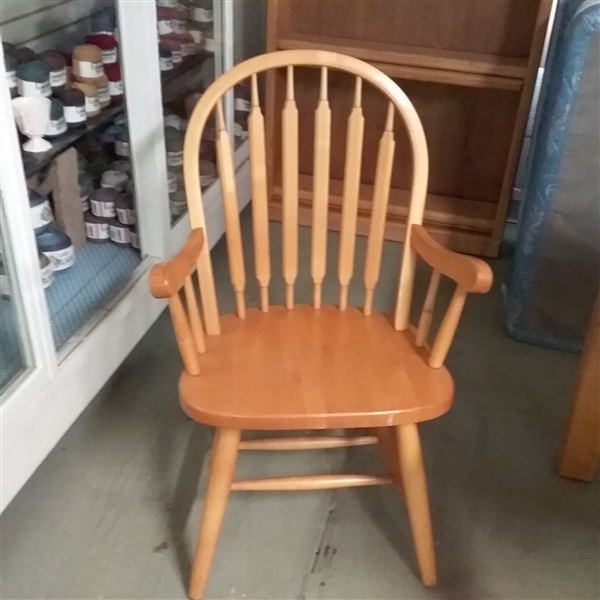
(354,145)
(185,340)
(320,189)
(381,194)
(260,217)
(418,195)
(289,175)
(445,333)
(194,315)
(427,311)
(230,210)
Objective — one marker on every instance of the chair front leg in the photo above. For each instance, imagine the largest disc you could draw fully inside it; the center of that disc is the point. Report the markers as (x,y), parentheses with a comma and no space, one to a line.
(417,502)
(222,469)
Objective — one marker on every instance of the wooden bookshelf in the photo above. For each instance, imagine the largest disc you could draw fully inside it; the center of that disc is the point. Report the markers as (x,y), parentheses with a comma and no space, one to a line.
(468,67)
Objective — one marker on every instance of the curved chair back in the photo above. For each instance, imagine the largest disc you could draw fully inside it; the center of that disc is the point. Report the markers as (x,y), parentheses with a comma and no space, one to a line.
(398,104)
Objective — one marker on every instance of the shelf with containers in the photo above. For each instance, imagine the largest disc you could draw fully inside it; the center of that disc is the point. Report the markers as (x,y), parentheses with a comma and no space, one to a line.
(86,216)
(80,190)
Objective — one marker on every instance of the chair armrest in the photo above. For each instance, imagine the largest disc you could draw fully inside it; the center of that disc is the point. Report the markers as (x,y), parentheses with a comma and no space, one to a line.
(167,278)
(473,275)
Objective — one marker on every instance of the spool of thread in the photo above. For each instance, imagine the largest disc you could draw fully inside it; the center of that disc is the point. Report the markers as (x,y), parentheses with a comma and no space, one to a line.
(58,69)
(121,165)
(189,45)
(57,246)
(177,203)
(190,103)
(175,121)
(107,44)
(87,63)
(104,22)
(46,271)
(174,144)
(68,56)
(73,101)
(196,33)
(102,202)
(201,14)
(114,179)
(86,187)
(135,238)
(10,65)
(122,148)
(119,233)
(40,211)
(165,57)
(33,79)
(103,91)
(174,180)
(179,20)
(174,44)
(57,125)
(164,18)
(96,228)
(92,104)
(23,54)
(209,42)
(115,81)
(125,209)
(208,173)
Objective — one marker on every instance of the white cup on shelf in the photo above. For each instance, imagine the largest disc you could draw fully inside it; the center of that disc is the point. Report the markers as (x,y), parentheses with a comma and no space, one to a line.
(32,115)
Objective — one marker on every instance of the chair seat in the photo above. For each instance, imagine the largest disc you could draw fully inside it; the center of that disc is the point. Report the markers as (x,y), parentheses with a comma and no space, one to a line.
(313,369)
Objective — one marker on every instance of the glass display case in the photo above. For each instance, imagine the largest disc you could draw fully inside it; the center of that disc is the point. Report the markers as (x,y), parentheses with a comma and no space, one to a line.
(14,341)
(95,99)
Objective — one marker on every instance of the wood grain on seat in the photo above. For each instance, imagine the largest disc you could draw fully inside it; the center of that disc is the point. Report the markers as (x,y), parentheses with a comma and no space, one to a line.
(313,369)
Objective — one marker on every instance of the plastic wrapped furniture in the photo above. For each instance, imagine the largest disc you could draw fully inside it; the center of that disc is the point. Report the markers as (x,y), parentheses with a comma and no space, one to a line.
(556,266)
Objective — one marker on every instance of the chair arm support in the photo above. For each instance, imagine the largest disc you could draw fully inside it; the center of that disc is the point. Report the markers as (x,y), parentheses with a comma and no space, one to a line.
(473,275)
(167,278)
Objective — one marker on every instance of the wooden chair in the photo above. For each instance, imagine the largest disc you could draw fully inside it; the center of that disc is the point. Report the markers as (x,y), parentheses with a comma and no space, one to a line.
(312,367)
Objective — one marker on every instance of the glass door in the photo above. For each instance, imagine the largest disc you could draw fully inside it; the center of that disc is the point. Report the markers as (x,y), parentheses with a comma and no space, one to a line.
(27,358)
(15,350)
(177,49)
(81,190)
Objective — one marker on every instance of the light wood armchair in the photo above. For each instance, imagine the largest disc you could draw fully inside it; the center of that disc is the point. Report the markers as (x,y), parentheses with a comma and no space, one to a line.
(312,367)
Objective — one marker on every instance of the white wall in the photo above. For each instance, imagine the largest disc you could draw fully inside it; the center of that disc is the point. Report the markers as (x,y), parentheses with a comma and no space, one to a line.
(47,24)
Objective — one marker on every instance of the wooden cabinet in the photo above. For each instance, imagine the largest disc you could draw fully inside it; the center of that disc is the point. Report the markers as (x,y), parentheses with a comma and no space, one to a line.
(469,68)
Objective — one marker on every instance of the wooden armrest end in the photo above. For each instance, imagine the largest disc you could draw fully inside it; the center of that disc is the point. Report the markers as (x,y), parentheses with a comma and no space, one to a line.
(167,278)
(472,274)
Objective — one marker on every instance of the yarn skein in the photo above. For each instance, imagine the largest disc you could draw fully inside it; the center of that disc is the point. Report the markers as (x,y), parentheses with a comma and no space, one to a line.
(107,44)
(57,125)
(23,54)
(174,146)
(87,63)
(173,43)
(115,81)
(104,22)
(92,104)
(73,101)
(10,65)
(33,79)
(58,71)
(103,92)
(166,57)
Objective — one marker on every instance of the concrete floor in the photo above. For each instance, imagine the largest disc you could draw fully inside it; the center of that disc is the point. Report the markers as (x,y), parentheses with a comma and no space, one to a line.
(113,511)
